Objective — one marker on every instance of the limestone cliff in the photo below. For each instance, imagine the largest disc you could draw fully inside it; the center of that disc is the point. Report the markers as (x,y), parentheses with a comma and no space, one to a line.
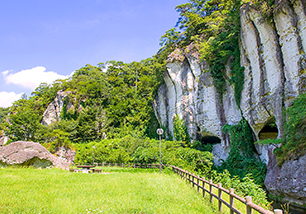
(272,52)
(273,55)
(189,92)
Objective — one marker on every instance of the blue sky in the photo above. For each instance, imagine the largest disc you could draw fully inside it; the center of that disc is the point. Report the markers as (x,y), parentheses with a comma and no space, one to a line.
(43,40)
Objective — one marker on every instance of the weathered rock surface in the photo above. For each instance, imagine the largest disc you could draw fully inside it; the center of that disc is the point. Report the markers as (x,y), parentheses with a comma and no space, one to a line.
(52,113)
(287,181)
(29,154)
(273,54)
(3,138)
(65,154)
(189,92)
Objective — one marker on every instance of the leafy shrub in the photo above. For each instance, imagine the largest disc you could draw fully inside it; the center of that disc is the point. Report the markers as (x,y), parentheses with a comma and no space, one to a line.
(294,142)
(180,130)
(242,159)
(243,187)
(138,150)
(202,147)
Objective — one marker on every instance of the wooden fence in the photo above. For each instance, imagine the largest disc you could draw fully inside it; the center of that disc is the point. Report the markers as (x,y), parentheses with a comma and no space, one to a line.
(201,183)
(129,165)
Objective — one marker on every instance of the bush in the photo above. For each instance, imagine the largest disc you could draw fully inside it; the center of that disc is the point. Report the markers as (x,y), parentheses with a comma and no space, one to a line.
(294,142)
(146,151)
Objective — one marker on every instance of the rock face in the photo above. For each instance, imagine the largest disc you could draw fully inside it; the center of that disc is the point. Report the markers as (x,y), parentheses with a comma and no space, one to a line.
(52,113)
(3,138)
(287,181)
(29,154)
(189,92)
(273,54)
(65,154)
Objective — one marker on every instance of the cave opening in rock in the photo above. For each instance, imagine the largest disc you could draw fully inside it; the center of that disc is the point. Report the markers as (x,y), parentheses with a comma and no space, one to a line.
(210,140)
(205,143)
(269,131)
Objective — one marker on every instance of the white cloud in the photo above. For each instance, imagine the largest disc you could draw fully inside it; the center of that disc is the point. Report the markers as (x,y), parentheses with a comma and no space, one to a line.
(4,73)
(31,78)
(7,98)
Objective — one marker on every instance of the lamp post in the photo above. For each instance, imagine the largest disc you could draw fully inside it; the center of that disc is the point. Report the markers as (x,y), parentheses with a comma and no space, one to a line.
(93,155)
(160,132)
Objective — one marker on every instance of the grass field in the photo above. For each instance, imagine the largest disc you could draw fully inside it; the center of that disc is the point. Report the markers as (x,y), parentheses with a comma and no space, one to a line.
(122,191)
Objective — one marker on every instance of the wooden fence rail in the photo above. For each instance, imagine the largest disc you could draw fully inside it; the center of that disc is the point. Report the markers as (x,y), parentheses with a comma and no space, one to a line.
(196,181)
(129,165)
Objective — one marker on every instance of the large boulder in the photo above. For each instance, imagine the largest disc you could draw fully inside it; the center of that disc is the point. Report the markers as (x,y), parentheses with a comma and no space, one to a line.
(287,181)
(24,153)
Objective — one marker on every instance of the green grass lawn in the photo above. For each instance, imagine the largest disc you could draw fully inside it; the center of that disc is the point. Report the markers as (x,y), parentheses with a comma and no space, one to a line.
(125,190)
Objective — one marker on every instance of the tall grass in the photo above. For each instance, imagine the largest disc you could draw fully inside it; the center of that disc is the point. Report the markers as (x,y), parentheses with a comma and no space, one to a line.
(121,191)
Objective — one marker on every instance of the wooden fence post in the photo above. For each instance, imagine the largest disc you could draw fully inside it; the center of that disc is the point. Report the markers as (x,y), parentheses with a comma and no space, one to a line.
(231,193)
(210,190)
(203,185)
(220,197)
(192,179)
(277,211)
(198,183)
(249,208)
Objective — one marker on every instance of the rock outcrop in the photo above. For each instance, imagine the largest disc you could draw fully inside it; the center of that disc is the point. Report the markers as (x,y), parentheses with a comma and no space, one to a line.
(273,55)
(272,51)
(53,112)
(3,138)
(288,181)
(189,92)
(24,153)
(65,154)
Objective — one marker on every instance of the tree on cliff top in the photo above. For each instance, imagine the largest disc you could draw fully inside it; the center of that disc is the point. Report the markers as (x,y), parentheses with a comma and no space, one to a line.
(213,27)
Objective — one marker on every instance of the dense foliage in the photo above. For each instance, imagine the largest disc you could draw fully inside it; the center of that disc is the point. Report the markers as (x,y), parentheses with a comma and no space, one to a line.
(293,143)
(3,114)
(180,130)
(131,149)
(242,159)
(99,102)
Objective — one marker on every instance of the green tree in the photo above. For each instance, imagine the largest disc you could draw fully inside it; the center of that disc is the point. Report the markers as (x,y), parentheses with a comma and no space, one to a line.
(180,130)
(3,114)
(23,125)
